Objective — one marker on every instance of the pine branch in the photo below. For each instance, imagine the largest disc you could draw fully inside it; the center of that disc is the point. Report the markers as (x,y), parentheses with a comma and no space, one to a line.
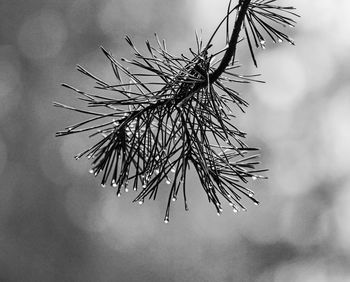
(175,113)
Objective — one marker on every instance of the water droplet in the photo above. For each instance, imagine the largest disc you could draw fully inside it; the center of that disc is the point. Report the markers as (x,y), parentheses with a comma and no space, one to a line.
(114,183)
(118,195)
(173,170)
(280,40)
(254,177)
(262,42)
(126,190)
(251,194)
(144,186)
(168,181)
(91,171)
(174,199)
(218,213)
(244,209)
(235,210)
(166,220)
(103,185)
(135,188)
(156,171)
(140,202)
(231,204)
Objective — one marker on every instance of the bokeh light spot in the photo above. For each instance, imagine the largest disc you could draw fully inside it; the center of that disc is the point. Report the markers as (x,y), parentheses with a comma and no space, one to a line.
(285,79)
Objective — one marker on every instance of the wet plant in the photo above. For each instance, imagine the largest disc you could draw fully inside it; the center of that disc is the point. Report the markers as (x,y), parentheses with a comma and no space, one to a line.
(173,113)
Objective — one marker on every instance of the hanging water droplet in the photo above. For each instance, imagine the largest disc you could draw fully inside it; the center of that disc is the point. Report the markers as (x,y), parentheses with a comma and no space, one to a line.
(168,181)
(118,195)
(144,186)
(173,170)
(174,198)
(166,220)
(262,42)
(251,194)
(231,204)
(103,185)
(235,210)
(114,183)
(126,190)
(140,202)
(156,171)
(280,40)
(254,177)
(91,171)
(218,213)
(135,188)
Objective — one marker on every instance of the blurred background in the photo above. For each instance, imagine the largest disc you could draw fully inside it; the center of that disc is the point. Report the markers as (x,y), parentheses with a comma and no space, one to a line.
(58,224)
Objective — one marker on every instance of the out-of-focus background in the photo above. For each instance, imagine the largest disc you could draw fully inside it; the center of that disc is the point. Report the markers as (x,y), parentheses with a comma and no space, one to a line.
(58,224)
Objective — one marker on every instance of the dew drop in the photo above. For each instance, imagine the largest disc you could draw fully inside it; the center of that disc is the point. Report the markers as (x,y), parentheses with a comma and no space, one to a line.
(91,171)
(103,185)
(140,202)
(235,210)
(166,220)
(231,204)
(173,170)
(168,181)
(118,195)
(174,199)
(218,213)
(126,190)
(280,40)
(156,171)
(144,186)
(254,177)
(262,42)
(251,194)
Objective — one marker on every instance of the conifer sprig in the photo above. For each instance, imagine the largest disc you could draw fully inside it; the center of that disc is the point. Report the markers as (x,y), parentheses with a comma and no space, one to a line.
(174,113)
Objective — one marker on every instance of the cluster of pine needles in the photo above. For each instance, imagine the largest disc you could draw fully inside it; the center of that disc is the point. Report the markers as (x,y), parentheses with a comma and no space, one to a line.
(172,113)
